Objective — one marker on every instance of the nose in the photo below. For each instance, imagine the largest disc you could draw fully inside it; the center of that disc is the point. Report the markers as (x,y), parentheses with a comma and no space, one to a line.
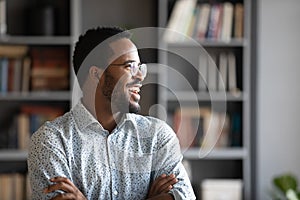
(139,75)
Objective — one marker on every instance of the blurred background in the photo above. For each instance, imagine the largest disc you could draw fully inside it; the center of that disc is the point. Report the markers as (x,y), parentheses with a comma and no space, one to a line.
(253,47)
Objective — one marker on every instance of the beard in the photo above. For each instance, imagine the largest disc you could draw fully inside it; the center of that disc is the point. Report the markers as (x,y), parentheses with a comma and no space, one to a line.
(121,100)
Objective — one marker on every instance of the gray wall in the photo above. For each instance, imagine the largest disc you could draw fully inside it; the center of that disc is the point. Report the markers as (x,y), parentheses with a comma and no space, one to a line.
(278,91)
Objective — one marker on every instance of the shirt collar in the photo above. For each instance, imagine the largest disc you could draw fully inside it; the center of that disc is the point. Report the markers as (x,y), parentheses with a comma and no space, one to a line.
(82,116)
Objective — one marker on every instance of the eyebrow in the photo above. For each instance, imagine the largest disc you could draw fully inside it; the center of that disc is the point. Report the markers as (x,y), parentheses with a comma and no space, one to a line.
(129,61)
(126,62)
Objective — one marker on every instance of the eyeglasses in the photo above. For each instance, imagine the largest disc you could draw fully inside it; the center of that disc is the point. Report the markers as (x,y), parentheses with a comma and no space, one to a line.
(134,68)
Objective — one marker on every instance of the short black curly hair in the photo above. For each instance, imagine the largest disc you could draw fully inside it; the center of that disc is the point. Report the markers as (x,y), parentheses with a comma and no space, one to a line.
(88,42)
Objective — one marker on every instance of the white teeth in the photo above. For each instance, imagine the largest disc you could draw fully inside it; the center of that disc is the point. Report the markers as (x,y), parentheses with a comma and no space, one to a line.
(136,91)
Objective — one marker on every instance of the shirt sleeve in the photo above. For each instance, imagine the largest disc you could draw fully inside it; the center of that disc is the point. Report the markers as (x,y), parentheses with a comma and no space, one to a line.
(169,160)
(46,160)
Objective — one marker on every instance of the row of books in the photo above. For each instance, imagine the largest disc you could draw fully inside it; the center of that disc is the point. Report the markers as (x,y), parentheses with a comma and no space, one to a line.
(26,123)
(218,73)
(24,69)
(50,68)
(202,127)
(217,21)
(14,186)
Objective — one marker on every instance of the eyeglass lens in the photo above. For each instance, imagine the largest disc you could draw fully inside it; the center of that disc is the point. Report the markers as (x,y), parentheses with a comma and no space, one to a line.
(135,67)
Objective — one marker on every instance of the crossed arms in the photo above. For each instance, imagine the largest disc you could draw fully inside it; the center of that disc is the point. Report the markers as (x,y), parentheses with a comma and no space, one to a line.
(158,191)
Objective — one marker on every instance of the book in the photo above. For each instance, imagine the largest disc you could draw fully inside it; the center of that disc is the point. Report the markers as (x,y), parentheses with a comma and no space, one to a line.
(214,25)
(17,75)
(12,186)
(49,83)
(26,74)
(211,126)
(13,51)
(192,23)
(23,131)
(212,73)
(203,20)
(6,187)
(4,74)
(3,24)
(19,186)
(227,21)
(203,68)
(232,74)
(173,23)
(238,21)
(14,74)
(183,128)
(236,139)
(179,20)
(53,72)
(187,18)
(223,68)
(224,136)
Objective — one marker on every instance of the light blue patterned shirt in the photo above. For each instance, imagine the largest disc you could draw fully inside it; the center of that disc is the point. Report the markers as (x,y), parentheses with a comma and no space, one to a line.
(117,165)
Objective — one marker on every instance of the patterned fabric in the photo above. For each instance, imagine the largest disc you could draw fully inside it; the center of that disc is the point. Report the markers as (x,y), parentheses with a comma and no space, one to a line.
(103,165)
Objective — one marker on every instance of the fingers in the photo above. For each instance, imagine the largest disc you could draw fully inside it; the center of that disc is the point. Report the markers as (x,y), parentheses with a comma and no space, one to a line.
(162,184)
(166,184)
(64,184)
(65,196)
(61,183)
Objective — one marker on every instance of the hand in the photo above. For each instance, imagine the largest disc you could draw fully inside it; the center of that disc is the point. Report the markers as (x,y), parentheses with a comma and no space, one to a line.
(162,184)
(64,184)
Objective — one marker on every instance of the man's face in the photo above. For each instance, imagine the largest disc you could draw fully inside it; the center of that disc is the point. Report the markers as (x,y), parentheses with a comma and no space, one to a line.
(120,87)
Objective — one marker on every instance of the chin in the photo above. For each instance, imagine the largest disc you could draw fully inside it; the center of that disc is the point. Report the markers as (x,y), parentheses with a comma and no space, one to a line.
(134,107)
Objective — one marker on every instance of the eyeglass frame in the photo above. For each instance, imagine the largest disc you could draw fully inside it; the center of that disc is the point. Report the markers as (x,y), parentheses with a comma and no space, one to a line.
(133,73)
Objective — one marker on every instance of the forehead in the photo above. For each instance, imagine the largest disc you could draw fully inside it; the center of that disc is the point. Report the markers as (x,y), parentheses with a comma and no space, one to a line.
(123,50)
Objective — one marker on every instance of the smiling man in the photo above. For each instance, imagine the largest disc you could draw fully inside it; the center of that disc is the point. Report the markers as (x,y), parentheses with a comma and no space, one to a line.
(101,149)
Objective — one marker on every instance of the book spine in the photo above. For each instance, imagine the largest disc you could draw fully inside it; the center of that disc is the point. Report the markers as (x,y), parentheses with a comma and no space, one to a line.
(4,74)
(3,25)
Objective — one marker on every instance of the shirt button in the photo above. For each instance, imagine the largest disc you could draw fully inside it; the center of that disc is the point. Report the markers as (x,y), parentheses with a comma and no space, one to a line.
(115,192)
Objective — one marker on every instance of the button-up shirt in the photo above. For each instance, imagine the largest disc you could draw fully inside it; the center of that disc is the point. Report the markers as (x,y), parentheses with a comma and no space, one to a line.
(117,165)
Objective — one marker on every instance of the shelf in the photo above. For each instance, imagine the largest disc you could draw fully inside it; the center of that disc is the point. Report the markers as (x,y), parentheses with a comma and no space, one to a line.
(222,153)
(204,96)
(13,155)
(36,96)
(36,40)
(208,43)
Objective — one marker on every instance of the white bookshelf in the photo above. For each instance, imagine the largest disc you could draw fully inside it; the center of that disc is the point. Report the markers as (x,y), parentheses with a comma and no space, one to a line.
(236,160)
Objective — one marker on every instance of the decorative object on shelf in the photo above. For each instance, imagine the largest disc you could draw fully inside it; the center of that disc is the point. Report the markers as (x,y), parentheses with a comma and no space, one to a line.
(225,189)
(42,19)
(286,187)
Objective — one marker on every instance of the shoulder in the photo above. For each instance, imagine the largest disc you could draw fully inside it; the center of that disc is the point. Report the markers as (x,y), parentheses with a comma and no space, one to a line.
(53,130)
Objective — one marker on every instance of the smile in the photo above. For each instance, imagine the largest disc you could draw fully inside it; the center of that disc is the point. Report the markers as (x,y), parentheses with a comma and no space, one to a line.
(135,90)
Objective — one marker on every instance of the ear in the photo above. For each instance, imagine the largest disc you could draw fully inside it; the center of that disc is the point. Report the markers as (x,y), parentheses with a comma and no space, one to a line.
(95,73)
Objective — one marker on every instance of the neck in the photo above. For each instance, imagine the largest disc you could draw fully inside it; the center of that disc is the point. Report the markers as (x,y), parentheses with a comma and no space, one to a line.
(101,110)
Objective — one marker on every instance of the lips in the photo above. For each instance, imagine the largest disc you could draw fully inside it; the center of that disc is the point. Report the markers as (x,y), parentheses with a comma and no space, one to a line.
(134,90)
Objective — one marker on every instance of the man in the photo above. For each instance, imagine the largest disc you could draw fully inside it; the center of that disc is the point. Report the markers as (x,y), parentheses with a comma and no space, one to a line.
(100,149)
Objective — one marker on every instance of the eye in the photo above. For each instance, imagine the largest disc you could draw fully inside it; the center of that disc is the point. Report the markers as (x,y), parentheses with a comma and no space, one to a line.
(128,66)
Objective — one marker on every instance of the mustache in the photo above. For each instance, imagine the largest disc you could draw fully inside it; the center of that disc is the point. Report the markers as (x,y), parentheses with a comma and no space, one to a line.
(136,81)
